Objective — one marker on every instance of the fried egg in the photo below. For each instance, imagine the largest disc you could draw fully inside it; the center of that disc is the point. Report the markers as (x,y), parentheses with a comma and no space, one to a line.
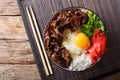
(81,40)
(76,43)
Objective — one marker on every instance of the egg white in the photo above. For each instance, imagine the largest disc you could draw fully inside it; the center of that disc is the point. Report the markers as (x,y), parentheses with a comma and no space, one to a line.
(68,43)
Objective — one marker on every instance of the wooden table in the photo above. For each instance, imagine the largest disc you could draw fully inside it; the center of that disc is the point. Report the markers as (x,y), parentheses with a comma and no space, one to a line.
(16,58)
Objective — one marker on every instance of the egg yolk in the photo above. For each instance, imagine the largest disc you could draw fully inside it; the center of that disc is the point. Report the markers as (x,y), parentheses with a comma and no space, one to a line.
(82,41)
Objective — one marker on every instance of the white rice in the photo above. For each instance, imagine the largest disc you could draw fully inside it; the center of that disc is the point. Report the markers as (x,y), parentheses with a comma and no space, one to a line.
(80,63)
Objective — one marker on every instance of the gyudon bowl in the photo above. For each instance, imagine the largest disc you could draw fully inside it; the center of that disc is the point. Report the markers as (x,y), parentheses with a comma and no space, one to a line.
(75,38)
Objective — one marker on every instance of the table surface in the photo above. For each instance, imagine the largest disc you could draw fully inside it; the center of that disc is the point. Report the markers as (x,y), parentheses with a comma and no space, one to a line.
(16,58)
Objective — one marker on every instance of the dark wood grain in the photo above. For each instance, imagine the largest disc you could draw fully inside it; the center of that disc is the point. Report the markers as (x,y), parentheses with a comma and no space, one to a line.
(108,11)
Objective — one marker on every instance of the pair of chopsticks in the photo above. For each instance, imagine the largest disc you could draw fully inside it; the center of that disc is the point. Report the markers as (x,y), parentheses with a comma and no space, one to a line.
(39,41)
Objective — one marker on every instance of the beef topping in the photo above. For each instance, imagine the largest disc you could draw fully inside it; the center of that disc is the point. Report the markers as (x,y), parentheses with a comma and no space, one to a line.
(72,19)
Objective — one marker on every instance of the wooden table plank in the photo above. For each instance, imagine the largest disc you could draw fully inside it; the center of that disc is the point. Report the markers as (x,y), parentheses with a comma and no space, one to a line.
(9,7)
(12,28)
(14,47)
(19,72)
(112,77)
(15,52)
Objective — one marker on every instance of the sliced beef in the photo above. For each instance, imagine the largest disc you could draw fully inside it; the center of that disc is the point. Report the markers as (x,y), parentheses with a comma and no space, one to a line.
(72,19)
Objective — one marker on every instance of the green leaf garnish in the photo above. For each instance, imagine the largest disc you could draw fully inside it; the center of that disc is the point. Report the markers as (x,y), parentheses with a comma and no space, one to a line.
(93,23)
